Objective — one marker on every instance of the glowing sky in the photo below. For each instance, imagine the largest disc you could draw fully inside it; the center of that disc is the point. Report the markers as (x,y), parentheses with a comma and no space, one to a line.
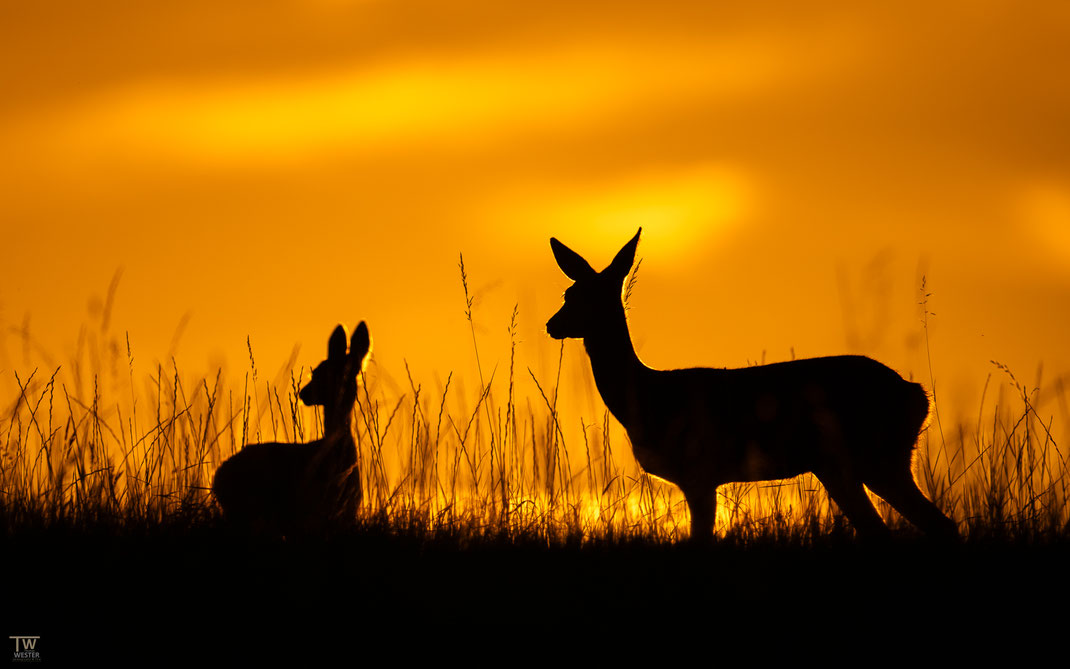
(272,168)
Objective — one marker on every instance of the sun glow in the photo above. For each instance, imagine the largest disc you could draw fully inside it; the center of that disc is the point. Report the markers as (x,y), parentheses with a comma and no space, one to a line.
(677,207)
(1046,210)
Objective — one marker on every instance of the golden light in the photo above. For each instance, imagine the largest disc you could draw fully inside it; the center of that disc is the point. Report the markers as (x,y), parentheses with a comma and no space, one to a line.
(681,210)
(465,100)
(794,172)
(1046,210)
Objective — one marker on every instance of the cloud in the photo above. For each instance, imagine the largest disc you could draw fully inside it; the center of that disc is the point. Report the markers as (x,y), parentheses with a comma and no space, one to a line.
(463,101)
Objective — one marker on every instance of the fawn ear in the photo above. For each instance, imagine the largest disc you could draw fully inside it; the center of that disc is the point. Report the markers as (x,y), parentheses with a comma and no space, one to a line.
(361,342)
(336,345)
(622,263)
(570,262)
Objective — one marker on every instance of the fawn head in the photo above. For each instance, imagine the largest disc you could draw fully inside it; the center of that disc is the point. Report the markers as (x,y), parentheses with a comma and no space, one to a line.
(595,297)
(336,377)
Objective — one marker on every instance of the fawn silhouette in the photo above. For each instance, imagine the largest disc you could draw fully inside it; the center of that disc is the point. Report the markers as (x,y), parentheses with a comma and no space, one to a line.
(850,420)
(287,489)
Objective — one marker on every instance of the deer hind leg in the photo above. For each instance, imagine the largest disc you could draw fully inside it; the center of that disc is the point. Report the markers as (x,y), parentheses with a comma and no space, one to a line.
(850,496)
(899,489)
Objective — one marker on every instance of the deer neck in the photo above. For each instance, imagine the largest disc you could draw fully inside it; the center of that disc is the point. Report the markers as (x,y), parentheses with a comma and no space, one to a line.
(617,369)
(338,419)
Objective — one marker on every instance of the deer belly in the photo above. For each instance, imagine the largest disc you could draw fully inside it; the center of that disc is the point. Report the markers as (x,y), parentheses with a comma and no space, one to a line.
(758,461)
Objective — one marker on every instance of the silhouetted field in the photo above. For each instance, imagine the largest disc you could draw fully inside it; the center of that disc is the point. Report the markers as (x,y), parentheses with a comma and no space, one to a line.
(198,590)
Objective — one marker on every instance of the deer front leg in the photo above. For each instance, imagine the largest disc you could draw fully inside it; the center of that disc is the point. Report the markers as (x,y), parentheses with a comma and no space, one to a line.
(702,503)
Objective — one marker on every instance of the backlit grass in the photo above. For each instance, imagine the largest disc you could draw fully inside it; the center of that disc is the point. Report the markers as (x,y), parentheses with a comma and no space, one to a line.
(103,442)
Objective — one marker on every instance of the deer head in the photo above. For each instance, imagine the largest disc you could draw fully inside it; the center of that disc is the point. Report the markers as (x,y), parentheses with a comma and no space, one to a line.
(336,376)
(595,297)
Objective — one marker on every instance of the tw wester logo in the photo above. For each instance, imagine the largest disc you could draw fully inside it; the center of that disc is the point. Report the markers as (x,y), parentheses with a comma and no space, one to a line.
(26,649)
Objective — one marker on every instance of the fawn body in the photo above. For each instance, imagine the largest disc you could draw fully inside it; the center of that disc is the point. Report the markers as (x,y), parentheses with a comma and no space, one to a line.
(292,488)
(849,420)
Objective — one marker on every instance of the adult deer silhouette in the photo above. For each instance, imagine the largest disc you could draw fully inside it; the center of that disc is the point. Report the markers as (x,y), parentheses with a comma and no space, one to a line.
(850,420)
(297,488)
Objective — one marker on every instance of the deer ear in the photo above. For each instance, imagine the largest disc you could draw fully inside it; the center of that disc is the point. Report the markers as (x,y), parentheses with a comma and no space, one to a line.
(361,343)
(336,345)
(570,262)
(622,263)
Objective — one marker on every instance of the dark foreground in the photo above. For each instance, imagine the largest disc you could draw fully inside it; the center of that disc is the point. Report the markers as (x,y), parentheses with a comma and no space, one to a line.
(139,598)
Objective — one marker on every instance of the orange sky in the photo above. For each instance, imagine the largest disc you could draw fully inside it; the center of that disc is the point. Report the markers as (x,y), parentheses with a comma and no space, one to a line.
(272,168)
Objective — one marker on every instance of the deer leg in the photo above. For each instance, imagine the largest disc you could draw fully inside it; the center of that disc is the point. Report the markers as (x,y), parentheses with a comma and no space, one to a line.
(851,497)
(702,503)
(901,491)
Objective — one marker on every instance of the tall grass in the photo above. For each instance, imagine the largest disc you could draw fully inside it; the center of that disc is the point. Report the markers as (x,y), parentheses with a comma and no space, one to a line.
(84,446)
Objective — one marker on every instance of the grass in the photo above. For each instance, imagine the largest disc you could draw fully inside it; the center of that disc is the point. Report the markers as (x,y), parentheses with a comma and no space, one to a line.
(491,464)
(487,500)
